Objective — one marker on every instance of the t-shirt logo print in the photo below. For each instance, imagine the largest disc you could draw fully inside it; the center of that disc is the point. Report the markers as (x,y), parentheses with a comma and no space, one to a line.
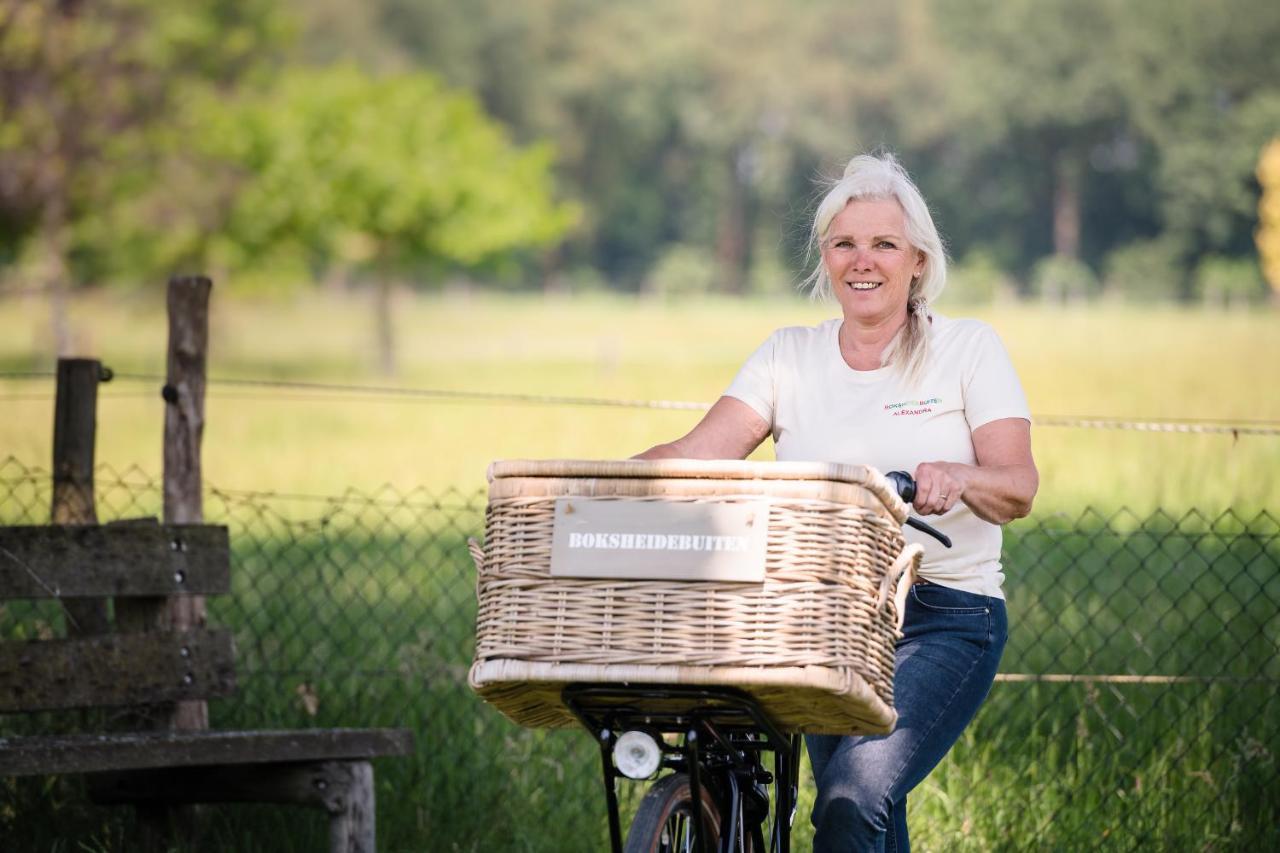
(912,407)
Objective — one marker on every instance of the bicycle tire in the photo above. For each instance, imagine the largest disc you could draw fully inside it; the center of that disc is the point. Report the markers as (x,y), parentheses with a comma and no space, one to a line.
(662,823)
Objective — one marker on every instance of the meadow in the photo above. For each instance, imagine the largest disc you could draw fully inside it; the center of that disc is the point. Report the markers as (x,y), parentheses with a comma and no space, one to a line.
(368,608)
(366,601)
(1108,361)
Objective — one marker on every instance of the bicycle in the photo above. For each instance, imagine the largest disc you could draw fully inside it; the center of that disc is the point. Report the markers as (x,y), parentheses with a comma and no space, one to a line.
(718,762)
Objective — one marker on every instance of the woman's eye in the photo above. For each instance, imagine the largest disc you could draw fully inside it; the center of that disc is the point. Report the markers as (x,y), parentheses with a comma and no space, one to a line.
(885,244)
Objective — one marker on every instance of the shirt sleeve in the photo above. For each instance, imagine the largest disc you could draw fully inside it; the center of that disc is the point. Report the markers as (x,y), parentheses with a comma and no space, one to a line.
(992,390)
(754,384)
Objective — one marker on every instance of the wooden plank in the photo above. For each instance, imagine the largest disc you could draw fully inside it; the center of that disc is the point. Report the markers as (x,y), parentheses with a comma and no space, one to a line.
(75,425)
(67,561)
(344,789)
(307,782)
(155,750)
(116,670)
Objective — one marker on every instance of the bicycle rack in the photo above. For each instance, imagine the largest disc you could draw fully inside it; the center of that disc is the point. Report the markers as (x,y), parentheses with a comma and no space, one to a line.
(730,719)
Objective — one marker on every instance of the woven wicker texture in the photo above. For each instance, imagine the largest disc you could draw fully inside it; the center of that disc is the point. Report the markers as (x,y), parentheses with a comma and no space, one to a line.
(813,642)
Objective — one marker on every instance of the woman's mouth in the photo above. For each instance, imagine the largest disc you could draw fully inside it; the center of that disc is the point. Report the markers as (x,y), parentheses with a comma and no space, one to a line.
(864,285)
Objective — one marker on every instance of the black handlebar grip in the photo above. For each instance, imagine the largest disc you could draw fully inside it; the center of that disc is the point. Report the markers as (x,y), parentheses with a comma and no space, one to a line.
(903,482)
(906,486)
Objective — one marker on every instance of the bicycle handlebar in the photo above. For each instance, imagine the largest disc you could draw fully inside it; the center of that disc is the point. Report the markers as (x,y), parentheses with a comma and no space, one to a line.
(906,486)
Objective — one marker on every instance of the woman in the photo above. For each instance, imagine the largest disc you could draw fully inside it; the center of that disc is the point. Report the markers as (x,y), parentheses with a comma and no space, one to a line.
(891,384)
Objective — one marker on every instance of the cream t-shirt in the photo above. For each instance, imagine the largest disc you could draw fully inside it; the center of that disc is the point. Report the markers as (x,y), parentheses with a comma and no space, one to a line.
(822,410)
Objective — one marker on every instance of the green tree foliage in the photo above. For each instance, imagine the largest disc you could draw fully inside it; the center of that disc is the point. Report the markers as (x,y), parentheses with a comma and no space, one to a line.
(976,280)
(85,91)
(1035,127)
(1038,78)
(1078,126)
(1146,271)
(388,175)
(382,177)
(1228,282)
(674,121)
(1059,279)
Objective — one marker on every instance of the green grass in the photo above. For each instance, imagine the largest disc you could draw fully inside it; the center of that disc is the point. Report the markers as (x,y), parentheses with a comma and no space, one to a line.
(1101,361)
(367,602)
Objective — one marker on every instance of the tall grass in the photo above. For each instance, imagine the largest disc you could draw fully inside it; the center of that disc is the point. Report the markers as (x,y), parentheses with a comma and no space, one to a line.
(367,606)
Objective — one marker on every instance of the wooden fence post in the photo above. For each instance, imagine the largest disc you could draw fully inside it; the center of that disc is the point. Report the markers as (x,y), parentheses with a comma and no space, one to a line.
(188,306)
(74,432)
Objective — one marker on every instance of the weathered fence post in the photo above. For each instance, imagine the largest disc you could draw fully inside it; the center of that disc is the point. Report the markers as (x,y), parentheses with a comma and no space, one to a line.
(188,305)
(74,432)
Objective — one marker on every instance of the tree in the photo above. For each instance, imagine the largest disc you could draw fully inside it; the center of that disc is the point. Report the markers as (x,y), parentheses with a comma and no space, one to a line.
(1088,124)
(1034,126)
(690,120)
(85,90)
(383,175)
(1038,77)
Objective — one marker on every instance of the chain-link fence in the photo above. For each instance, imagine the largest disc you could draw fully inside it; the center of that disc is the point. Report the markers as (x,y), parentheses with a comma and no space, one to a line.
(1136,708)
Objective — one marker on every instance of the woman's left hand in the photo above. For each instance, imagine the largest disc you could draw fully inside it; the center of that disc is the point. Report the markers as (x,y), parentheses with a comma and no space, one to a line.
(998,489)
(938,486)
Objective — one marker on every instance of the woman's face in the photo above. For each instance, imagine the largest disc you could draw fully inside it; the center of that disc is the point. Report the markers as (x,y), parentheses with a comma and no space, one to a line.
(870,262)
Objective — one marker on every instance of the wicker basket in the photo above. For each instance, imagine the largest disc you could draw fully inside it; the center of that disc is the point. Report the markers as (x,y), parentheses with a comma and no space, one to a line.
(813,642)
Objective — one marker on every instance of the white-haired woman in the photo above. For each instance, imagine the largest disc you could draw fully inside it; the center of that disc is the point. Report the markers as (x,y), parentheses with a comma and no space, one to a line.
(892,384)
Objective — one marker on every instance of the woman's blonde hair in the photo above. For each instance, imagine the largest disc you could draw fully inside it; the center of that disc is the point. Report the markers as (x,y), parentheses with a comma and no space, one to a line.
(880,176)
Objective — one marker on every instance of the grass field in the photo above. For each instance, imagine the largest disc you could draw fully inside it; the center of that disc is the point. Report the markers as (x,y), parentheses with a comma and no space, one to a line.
(1096,361)
(369,600)
(369,604)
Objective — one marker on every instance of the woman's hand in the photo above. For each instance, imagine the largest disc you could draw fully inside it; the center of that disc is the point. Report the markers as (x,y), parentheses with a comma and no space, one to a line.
(939,485)
(998,489)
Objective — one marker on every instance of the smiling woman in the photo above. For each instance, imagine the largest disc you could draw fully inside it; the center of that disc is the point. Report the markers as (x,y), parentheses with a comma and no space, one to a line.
(871,268)
(876,197)
(895,386)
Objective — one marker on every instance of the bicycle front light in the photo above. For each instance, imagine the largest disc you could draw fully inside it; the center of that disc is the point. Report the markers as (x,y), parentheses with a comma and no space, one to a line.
(637,755)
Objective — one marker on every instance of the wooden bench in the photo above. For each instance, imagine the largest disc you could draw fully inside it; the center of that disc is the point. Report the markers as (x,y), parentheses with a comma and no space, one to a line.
(139,664)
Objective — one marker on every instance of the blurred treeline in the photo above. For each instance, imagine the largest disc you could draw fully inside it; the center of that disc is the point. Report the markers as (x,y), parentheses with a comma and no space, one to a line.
(1068,147)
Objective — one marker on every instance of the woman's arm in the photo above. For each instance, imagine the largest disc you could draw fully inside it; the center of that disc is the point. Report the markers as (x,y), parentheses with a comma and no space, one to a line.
(998,489)
(730,430)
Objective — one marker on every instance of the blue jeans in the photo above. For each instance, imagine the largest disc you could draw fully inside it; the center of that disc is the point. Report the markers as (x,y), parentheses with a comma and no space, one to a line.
(946,661)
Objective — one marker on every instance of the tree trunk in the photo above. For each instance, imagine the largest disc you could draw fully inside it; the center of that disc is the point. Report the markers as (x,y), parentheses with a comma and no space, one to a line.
(734,232)
(1068,175)
(385,330)
(53,237)
(552,272)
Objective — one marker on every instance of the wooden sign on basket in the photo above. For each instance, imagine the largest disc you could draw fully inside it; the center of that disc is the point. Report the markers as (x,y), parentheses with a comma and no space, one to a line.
(660,540)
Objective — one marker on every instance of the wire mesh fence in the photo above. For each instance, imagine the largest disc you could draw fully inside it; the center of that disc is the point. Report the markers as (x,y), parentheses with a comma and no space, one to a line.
(1137,705)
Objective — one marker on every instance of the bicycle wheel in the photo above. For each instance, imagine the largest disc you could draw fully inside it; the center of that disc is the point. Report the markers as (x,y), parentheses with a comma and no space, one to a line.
(664,822)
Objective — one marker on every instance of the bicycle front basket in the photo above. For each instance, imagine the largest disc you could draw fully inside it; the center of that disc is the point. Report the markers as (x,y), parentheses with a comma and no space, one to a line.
(811,635)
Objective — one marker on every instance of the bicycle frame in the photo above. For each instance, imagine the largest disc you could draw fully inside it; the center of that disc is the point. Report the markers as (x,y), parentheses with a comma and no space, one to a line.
(725,731)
